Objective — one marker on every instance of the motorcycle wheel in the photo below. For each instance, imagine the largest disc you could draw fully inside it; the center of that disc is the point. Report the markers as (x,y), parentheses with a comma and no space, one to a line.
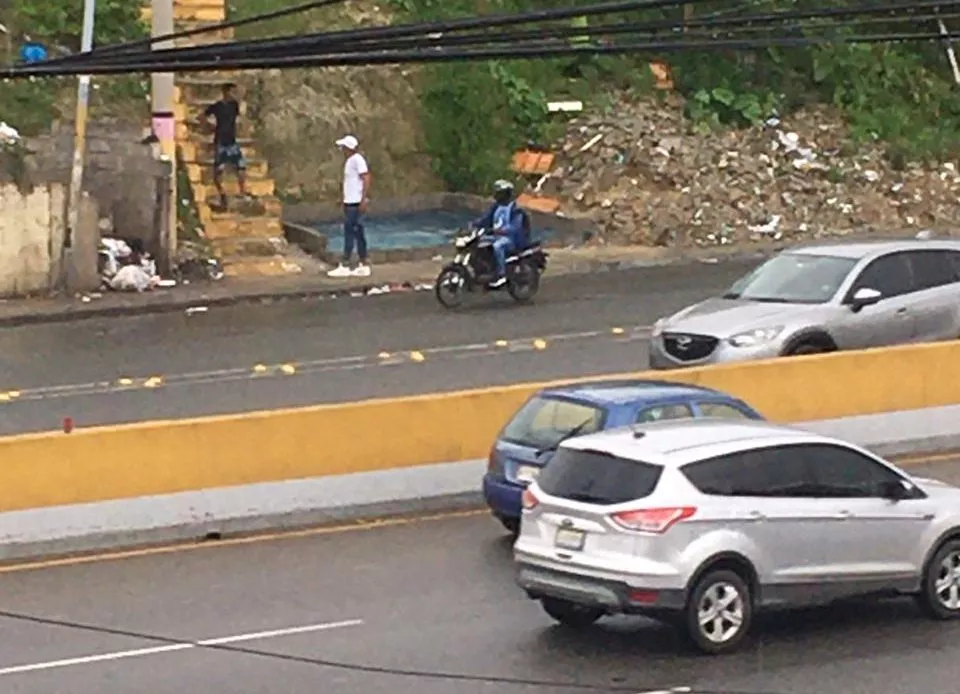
(451,286)
(523,282)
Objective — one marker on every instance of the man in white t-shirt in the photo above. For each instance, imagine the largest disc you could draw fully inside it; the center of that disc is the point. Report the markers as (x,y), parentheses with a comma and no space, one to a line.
(356,185)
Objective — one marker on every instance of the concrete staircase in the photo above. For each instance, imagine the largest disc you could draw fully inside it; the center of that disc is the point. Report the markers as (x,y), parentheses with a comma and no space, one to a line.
(248,237)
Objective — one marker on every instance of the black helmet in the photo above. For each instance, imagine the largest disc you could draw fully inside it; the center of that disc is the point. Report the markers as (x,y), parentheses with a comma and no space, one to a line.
(503,192)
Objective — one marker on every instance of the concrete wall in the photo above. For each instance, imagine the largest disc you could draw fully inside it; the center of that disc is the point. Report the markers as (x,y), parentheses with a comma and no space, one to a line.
(31,235)
(121,174)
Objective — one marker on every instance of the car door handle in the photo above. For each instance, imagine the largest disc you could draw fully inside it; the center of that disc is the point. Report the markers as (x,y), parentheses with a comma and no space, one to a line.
(902,311)
(756,516)
(842,515)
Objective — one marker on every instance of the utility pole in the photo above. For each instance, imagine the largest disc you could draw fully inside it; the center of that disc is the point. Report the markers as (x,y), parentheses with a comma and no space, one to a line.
(164,119)
(79,141)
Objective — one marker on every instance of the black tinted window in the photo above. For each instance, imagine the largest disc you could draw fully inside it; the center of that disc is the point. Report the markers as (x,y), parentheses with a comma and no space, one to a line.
(776,472)
(842,472)
(931,269)
(954,257)
(598,478)
(889,275)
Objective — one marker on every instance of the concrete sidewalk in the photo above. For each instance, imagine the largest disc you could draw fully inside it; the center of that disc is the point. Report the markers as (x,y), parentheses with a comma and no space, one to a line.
(388,278)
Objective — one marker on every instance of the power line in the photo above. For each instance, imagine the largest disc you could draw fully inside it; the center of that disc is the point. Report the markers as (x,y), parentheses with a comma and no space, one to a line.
(530,51)
(351,41)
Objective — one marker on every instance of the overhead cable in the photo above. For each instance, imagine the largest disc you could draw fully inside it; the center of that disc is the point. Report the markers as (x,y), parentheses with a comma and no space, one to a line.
(532,51)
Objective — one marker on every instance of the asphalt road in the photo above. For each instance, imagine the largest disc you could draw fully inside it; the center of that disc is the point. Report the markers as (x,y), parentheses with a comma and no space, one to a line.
(247,358)
(427,607)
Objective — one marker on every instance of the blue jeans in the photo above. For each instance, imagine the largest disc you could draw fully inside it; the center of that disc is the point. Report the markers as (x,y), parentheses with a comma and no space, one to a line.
(501,246)
(353,234)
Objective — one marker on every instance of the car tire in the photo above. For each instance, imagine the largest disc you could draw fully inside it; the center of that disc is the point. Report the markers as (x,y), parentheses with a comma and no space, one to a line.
(511,524)
(806,348)
(570,614)
(719,612)
(939,594)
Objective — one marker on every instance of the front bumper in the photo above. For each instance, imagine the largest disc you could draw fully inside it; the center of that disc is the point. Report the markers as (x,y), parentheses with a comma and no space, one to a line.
(614,597)
(724,353)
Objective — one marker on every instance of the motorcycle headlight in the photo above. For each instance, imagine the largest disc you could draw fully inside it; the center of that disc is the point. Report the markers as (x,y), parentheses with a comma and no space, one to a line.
(752,338)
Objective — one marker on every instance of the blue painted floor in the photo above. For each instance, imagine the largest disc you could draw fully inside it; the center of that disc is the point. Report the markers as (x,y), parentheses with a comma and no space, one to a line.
(413,230)
(427,229)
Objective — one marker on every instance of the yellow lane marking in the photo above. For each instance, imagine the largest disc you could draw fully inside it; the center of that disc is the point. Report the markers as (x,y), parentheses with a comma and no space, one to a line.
(384,358)
(906,461)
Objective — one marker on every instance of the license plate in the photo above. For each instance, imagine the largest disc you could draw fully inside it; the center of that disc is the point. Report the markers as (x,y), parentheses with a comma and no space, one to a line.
(569,539)
(527,473)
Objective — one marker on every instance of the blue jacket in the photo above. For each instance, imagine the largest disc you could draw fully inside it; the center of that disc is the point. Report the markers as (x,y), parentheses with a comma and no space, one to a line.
(516,226)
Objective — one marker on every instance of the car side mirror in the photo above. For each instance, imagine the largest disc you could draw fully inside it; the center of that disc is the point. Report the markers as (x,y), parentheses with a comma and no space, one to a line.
(895,490)
(865,296)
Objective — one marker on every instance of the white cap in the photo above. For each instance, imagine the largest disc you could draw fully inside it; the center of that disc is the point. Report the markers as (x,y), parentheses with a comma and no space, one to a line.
(348,141)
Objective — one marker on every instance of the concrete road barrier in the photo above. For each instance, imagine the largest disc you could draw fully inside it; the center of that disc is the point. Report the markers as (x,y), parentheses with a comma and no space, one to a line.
(207,471)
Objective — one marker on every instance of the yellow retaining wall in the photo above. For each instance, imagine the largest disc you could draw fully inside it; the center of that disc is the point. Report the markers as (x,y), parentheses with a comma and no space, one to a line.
(104,463)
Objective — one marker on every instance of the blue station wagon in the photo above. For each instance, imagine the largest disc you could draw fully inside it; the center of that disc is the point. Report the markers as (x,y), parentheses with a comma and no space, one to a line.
(552,415)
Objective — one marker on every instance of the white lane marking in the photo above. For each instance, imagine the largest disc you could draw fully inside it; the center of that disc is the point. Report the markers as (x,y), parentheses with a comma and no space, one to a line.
(156,650)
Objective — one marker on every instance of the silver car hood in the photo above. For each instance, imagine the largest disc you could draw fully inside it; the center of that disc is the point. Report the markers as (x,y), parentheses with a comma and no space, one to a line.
(727,317)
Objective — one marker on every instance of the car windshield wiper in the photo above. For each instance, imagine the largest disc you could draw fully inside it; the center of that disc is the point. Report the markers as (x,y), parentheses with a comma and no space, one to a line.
(767,300)
(568,435)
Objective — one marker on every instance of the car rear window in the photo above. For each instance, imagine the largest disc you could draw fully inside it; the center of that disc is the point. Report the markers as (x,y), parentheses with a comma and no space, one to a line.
(597,477)
(544,421)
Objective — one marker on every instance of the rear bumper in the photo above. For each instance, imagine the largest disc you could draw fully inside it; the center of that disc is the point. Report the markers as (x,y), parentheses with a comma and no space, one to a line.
(614,597)
(503,497)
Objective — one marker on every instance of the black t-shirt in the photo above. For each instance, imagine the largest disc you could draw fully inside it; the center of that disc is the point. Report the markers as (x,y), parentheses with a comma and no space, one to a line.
(226,113)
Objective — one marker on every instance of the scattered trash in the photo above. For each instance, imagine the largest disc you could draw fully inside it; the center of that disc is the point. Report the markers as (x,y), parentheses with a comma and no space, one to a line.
(639,174)
(193,310)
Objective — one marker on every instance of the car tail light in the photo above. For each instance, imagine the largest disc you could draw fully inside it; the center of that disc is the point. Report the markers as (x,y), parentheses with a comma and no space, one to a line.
(529,500)
(653,520)
(494,462)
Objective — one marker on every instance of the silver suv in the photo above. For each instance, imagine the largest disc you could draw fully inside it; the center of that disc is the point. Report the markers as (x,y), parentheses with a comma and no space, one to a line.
(821,299)
(703,522)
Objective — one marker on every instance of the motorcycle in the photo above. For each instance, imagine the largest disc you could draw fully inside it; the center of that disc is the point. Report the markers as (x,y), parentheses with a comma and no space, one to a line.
(474,268)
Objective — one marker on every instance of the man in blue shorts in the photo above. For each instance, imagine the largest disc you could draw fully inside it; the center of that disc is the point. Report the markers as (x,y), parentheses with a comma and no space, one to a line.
(226,150)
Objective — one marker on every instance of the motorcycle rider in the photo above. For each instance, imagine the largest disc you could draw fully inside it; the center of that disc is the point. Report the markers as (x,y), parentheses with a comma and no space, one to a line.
(508,224)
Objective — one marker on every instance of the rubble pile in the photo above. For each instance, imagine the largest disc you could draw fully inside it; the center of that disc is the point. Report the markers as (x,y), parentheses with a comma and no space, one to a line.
(643,174)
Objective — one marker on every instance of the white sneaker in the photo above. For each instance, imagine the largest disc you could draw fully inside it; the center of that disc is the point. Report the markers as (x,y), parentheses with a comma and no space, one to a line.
(340,271)
(361,270)
(499,282)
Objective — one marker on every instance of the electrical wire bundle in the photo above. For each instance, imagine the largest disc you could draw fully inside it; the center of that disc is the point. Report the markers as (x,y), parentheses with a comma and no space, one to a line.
(509,36)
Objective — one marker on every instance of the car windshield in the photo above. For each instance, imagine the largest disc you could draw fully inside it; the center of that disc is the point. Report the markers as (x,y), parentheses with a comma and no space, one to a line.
(794,278)
(544,421)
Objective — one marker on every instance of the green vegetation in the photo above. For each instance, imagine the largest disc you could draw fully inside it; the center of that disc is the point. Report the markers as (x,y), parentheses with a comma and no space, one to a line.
(475,115)
(32,105)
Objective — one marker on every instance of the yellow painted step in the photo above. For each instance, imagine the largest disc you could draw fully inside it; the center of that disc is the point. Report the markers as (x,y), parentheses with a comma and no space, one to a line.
(209,11)
(260,188)
(241,227)
(201,171)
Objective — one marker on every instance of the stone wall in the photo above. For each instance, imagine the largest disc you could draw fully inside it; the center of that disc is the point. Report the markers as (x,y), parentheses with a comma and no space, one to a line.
(121,174)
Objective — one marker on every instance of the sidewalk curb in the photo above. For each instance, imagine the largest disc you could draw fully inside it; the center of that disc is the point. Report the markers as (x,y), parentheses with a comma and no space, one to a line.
(212,530)
(176,305)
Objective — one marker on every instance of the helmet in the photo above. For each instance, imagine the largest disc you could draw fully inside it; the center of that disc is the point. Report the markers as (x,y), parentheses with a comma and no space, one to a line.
(503,192)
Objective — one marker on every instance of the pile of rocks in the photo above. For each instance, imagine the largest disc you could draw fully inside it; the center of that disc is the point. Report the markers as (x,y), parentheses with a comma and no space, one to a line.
(643,175)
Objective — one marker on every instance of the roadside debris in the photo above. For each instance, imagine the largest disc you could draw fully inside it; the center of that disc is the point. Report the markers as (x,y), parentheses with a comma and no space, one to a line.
(642,174)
